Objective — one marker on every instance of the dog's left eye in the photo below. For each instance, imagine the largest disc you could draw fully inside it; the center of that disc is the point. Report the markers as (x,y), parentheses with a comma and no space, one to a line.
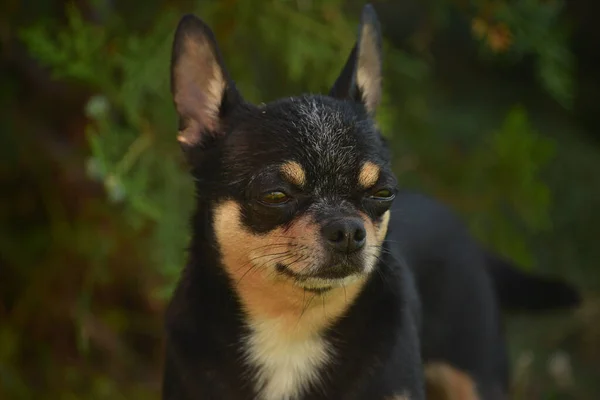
(275,198)
(383,194)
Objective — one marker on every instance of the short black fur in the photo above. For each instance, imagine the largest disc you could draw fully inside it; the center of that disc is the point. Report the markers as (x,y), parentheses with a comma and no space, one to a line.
(436,295)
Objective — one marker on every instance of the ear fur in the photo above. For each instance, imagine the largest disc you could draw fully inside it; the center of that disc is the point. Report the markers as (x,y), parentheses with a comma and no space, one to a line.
(200,85)
(360,79)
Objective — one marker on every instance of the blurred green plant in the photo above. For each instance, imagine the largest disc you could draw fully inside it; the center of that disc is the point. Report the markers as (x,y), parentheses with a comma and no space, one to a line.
(303,45)
(513,30)
(276,48)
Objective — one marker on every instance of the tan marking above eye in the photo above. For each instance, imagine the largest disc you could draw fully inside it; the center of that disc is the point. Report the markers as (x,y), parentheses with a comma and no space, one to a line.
(294,173)
(369,175)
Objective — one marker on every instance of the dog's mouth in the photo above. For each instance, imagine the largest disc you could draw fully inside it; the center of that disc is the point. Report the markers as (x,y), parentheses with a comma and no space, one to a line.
(324,280)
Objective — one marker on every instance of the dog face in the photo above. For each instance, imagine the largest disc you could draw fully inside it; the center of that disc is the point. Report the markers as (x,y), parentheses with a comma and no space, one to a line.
(309,189)
(299,189)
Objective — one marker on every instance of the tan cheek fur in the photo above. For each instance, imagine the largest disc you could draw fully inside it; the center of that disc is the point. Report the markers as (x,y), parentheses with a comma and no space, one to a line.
(285,321)
(383,227)
(448,383)
(375,237)
(264,294)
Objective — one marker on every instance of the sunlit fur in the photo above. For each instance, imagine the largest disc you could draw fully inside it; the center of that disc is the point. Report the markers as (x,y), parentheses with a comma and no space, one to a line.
(445,382)
(196,66)
(368,73)
(285,320)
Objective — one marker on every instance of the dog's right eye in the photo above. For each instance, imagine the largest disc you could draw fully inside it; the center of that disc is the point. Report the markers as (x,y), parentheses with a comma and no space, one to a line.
(383,194)
(274,198)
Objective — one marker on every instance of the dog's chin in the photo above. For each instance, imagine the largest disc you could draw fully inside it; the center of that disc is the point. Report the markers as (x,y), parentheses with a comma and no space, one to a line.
(324,280)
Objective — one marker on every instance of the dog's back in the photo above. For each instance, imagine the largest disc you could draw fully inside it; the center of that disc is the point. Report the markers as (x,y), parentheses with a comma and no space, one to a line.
(461,320)
(463,289)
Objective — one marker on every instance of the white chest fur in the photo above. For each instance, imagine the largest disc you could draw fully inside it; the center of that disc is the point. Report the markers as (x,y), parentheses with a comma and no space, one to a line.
(286,363)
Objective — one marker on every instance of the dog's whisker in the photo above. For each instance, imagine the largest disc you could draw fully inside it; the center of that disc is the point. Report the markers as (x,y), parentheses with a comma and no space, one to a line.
(302,259)
(267,255)
(252,268)
(273,245)
(253,262)
(255,267)
(305,307)
(273,272)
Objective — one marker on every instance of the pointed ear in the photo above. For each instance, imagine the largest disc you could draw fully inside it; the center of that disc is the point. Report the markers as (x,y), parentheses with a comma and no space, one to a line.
(201,88)
(360,79)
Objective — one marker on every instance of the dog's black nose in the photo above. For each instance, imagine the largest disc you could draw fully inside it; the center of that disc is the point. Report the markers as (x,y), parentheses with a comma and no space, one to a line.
(345,235)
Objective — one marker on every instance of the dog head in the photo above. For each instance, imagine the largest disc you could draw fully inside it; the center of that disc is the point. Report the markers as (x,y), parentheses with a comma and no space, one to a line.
(300,188)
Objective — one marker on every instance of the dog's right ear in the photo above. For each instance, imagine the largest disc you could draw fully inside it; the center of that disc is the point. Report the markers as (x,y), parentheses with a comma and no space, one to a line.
(201,88)
(360,79)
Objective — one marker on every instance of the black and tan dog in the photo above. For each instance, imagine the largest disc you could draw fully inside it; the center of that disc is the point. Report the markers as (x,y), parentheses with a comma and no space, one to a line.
(310,276)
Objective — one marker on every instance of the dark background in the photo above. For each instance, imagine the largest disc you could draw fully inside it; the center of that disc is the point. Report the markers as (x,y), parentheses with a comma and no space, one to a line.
(491,106)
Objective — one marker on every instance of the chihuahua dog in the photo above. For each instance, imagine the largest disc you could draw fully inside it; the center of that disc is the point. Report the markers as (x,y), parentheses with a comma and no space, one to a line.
(310,275)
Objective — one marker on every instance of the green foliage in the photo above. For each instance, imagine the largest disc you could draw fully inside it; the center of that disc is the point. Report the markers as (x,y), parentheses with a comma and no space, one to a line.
(511,161)
(538,29)
(534,28)
(131,137)
(71,51)
(487,168)
(132,150)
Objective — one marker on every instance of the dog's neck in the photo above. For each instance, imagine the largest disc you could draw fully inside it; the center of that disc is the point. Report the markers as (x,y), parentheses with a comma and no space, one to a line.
(288,353)
(285,343)
(277,362)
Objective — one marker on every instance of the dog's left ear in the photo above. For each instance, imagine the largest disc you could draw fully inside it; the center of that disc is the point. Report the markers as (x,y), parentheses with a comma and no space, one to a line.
(360,80)
(202,90)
